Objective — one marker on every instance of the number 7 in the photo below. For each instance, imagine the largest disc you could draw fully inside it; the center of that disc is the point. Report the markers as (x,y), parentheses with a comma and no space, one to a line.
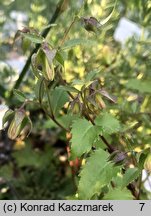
(142,205)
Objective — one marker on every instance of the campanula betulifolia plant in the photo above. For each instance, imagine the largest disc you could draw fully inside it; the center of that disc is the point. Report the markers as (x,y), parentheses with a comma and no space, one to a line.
(84,113)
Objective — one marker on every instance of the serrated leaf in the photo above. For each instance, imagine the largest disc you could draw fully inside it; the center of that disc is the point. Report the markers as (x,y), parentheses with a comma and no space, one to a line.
(139,85)
(83,137)
(78,41)
(130,175)
(33,37)
(118,194)
(107,123)
(95,174)
(58,99)
(19,95)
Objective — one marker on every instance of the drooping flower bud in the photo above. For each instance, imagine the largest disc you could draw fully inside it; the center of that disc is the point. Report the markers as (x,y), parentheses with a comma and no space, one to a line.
(117,157)
(147,163)
(76,106)
(48,70)
(99,101)
(15,125)
(42,62)
(48,67)
(91,24)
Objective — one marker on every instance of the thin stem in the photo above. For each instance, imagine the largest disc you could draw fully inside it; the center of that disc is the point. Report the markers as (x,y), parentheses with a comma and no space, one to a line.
(110,147)
(85,103)
(67,31)
(27,102)
(53,119)
(51,115)
(60,125)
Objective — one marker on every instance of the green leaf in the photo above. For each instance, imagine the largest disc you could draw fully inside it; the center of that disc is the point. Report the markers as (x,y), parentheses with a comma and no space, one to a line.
(92,75)
(58,99)
(78,82)
(142,158)
(95,174)
(83,83)
(109,17)
(118,194)
(69,88)
(130,175)
(139,85)
(118,180)
(99,144)
(107,123)
(59,58)
(78,41)
(33,37)
(67,120)
(19,95)
(83,137)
